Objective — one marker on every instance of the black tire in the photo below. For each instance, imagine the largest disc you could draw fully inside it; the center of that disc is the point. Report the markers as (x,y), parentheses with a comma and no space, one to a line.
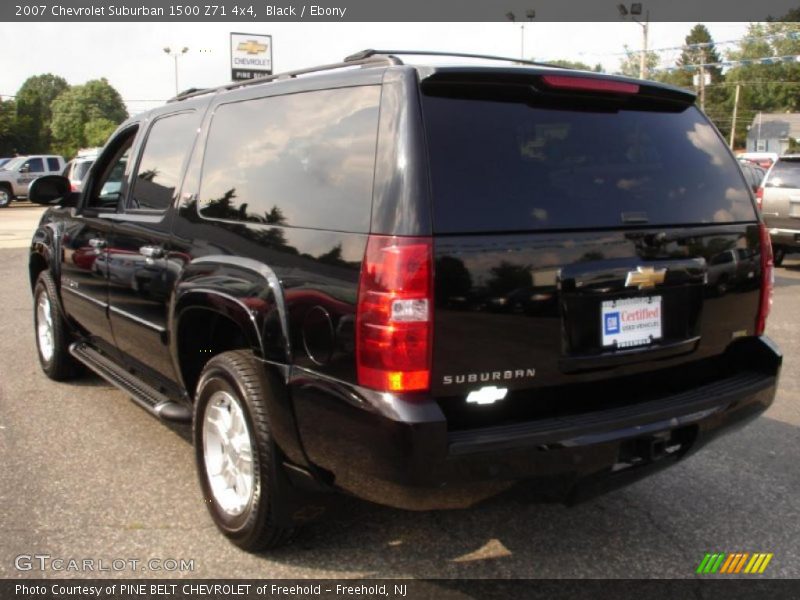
(6,195)
(263,524)
(722,285)
(777,256)
(58,365)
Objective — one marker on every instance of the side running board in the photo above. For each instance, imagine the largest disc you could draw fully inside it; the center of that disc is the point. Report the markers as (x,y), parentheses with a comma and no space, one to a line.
(145,396)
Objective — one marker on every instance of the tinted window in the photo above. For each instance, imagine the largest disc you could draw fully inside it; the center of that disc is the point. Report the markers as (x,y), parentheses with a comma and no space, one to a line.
(67,169)
(785,174)
(503,166)
(110,176)
(52,164)
(302,160)
(35,165)
(167,147)
(81,169)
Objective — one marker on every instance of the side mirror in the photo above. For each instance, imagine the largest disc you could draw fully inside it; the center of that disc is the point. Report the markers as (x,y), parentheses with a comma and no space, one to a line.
(52,189)
(24,168)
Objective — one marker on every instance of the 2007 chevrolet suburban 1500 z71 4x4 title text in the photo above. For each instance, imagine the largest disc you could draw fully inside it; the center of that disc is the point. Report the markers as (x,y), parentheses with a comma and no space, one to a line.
(417,284)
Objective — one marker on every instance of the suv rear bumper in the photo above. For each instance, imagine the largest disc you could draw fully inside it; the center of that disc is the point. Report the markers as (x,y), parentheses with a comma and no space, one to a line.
(409,460)
(785,238)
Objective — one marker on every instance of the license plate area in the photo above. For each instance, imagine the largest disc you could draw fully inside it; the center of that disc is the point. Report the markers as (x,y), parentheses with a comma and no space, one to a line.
(631,322)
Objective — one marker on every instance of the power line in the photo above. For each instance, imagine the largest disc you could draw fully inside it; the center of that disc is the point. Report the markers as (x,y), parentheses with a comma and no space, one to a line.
(793,35)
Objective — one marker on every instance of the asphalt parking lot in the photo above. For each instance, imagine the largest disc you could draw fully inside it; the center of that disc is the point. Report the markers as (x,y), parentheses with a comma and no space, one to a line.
(84,473)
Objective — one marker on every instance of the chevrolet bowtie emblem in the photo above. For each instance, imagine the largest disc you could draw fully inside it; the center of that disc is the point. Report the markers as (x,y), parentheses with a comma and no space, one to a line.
(645,277)
(251,47)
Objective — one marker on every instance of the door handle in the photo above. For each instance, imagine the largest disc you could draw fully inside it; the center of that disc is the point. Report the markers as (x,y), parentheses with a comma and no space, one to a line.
(152,251)
(98,243)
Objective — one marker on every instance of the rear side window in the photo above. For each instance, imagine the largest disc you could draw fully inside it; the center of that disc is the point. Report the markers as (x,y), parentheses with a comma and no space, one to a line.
(81,169)
(507,166)
(785,174)
(35,165)
(168,145)
(52,164)
(300,160)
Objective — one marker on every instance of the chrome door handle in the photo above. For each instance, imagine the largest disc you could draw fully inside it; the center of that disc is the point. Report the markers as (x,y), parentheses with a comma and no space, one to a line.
(98,243)
(152,251)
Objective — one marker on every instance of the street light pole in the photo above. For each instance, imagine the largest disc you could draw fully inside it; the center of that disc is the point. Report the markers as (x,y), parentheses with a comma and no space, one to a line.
(168,51)
(530,15)
(643,58)
(636,9)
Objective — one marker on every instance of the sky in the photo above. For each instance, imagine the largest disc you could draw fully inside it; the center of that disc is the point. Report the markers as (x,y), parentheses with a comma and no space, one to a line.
(131,55)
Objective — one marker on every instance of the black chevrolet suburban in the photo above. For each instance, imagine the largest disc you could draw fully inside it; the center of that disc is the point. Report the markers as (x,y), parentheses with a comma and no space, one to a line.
(417,284)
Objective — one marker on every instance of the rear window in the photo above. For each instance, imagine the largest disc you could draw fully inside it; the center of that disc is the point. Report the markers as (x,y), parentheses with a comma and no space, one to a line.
(511,166)
(785,174)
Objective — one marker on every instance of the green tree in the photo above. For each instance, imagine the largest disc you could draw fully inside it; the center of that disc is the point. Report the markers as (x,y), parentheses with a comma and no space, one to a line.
(698,49)
(78,106)
(97,131)
(34,100)
(8,128)
(630,64)
(767,87)
(576,64)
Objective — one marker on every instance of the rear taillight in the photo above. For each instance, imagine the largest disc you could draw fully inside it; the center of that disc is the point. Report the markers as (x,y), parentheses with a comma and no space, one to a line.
(767,279)
(590,84)
(759,197)
(395,314)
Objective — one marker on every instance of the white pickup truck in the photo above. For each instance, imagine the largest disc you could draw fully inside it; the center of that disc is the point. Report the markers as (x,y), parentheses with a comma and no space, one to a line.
(17,174)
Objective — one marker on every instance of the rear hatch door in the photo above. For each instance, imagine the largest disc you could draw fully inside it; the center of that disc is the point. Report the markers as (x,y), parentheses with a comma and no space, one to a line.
(574,233)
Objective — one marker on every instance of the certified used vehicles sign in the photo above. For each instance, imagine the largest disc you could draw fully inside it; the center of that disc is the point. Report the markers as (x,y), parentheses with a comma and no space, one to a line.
(631,322)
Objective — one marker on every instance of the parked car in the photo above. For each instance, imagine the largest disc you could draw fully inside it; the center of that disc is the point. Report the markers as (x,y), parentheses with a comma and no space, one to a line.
(780,205)
(415,284)
(17,174)
(763,159)
(77,169)
(731,269)
(753,174)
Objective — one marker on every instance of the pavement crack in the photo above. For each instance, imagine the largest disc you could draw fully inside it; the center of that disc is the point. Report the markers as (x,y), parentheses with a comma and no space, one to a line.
(676,542)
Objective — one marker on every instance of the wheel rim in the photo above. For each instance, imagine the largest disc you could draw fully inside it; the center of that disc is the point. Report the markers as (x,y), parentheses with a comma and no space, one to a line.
(44,326)
(4,197)
(228,453)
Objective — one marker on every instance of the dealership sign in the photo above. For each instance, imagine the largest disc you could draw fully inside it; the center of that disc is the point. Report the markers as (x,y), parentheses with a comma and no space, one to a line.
(251,55)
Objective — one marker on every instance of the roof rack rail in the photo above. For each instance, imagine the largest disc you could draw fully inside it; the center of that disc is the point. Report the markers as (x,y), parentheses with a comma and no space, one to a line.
(391,53)
(188,92)
(367,61)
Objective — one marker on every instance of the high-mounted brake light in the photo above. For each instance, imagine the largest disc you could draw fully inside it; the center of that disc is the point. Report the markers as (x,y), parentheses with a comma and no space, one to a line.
(767,279)
(590,84)
(394,315)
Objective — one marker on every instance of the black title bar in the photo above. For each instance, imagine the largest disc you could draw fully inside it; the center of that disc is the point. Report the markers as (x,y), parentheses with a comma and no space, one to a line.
(392,10)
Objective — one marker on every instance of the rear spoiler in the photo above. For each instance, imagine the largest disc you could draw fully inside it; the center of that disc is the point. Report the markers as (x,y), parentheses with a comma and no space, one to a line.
(557,82)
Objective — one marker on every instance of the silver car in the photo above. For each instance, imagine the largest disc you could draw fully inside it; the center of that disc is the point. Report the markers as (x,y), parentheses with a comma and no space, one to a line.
(780,205)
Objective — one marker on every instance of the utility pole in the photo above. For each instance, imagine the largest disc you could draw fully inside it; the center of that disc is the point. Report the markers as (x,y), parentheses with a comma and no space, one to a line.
(643,57)
(735,110)
(702,80)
